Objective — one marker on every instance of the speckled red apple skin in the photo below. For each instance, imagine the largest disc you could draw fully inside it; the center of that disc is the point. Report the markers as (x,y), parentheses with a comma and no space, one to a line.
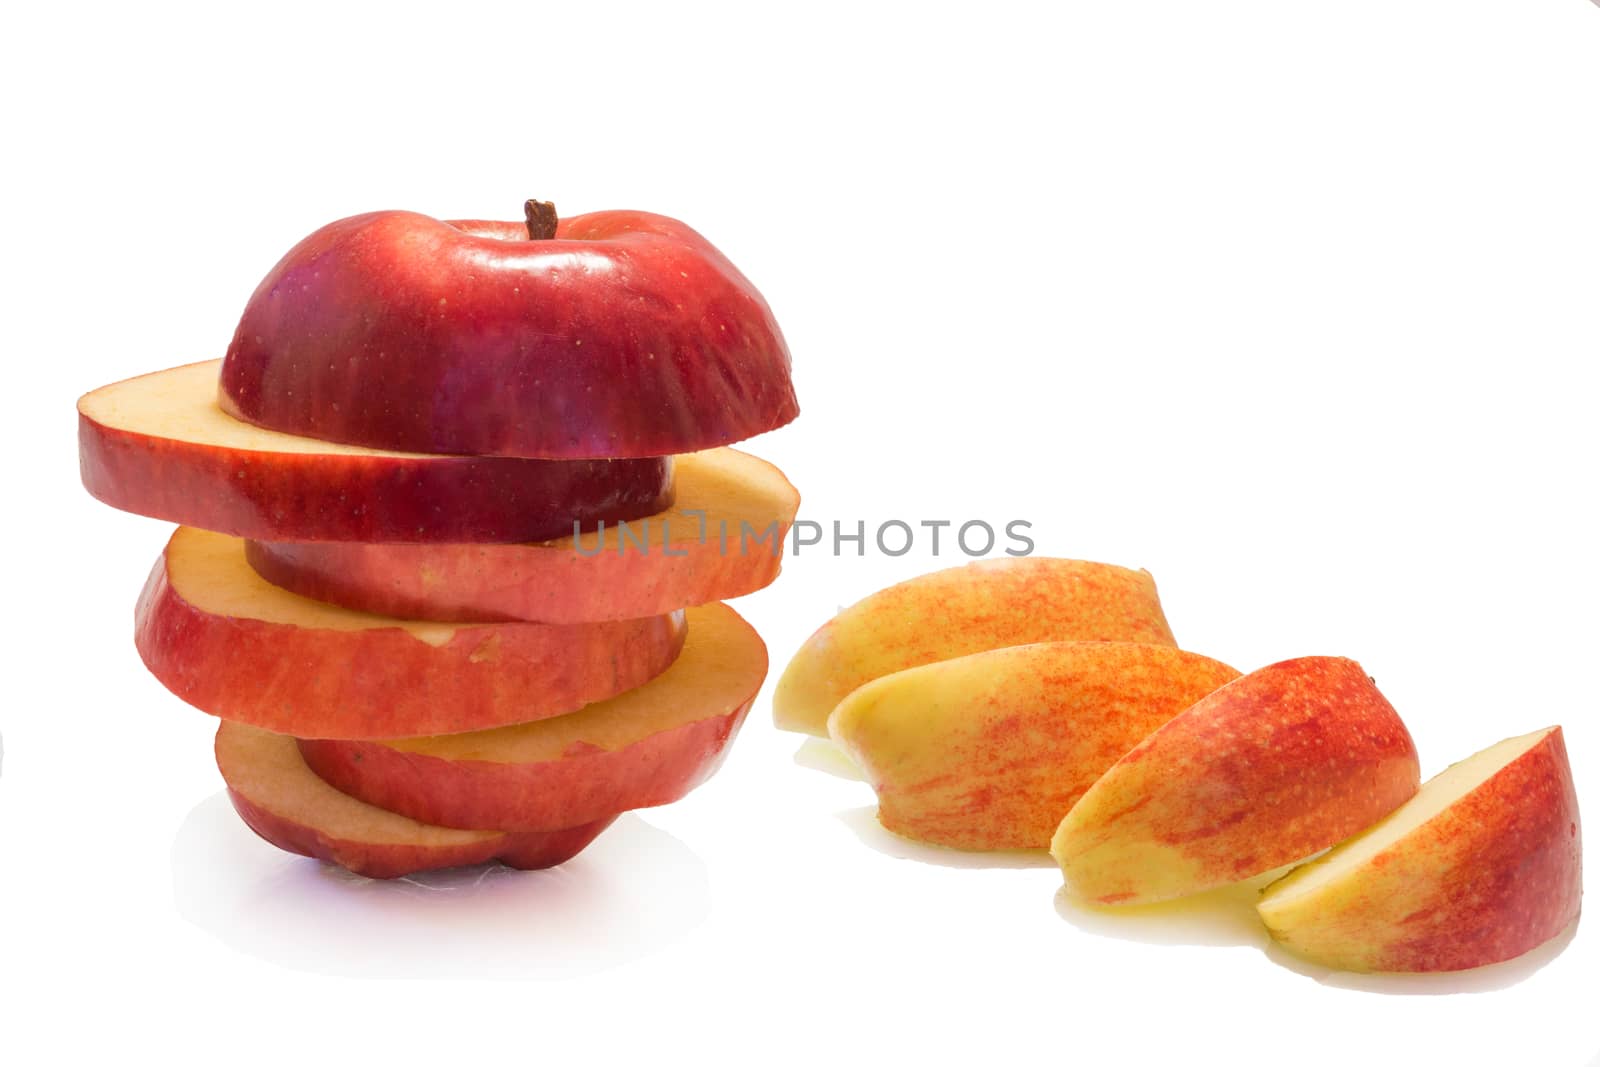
(384,682)
(278,496)
(627,335)
(1503,874)
(583,784)
(1273,767)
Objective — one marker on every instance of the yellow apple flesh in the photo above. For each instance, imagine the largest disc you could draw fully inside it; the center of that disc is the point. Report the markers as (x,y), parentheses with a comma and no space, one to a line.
(990,750)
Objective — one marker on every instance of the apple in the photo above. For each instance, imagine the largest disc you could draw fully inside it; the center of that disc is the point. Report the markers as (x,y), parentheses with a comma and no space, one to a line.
(158,445)
(959,611)
(646,747)
(234,645)
(617,334)
(1482,865)
(990,750)
(1269,769)
(279,798)
(703,549)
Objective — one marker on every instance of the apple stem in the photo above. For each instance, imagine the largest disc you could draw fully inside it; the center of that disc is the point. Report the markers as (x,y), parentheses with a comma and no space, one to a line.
(541,215)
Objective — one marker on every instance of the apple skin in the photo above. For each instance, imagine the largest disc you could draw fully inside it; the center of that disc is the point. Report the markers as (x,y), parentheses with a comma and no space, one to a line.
(597,576)
(291,808)
(309,669)
(956,612)
(644,748)
(247,489)
(1495,875)
(1271,768)
(990,750)
(627,335)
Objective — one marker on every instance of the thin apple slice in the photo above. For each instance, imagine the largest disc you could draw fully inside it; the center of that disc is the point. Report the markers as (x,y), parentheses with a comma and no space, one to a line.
(990,750)
(723,538)
(1271,768)
(279,798)
(159,445)
(959,611)
(1482,865)
(648,746)
(232,644)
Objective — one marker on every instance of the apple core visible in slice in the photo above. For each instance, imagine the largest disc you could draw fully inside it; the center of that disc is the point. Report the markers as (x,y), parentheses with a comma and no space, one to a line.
(229,642)
(723,538)
(989,751)
(279,798)
(959,611)
(159,445)
(1482,865)
(648,746)
(1267,770)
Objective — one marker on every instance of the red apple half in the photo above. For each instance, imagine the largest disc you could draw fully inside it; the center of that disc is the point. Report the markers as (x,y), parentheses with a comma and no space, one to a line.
(648,746)
(1482,865)
(158,445)
(723,538)
(232,644)
(615,334)
(279,798)
(1269,769)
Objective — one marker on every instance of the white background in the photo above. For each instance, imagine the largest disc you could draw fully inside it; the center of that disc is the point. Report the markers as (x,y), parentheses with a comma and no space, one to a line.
(1294,304)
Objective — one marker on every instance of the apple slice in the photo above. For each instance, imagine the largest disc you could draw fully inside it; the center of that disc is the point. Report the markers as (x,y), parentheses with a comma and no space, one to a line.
(158,445)
(959,611)
(613,334)
(279,798)
(648,746)
(1274,766)
(723,538)
(1482,865)
(990,750)
(231,643)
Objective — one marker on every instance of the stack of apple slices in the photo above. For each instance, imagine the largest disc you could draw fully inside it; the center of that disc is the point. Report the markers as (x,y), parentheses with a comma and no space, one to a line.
(456,515)
(1052,709)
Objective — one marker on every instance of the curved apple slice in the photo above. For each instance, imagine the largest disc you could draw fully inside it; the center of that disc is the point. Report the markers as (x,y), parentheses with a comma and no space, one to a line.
(158,445)
(1482,865)
(959,611)
(722,539)
(232,644)
(279,798)
(990,750)
(648,746)
(626,335)
(1271,768)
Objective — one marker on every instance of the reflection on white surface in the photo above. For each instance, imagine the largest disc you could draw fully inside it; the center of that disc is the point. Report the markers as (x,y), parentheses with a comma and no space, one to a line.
(1220,917)
(633,891)
(820,754)
(864,821)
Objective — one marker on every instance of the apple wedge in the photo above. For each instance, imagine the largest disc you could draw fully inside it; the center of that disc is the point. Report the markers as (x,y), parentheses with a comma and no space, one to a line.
(159,445)
(1271,768)
(990,750)
(723,538)
(1482,865)
(646,747)
(279,798)
(232,644)
(959,611)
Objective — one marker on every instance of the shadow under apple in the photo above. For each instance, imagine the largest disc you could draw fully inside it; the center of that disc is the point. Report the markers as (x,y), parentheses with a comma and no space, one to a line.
(864,823)
(633,891)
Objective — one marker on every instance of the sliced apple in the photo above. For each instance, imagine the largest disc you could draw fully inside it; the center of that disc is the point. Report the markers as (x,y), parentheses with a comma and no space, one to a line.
(279,798)
(1269,769)
(648,746)
(723,538)
(989,751)
(959,611)
(159,445)
(1482,865)
(232,644)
